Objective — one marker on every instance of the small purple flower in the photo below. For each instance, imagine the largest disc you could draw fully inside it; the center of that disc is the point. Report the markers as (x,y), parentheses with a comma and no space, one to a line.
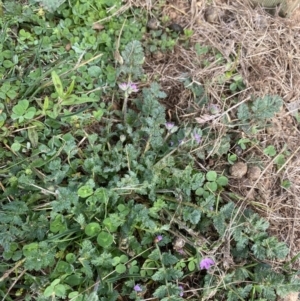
(181,251)
(206,263)
(169,125)
(133,87)
(123,86)
(128,87)
(197,137)
(159,238)
(137,288)
(181,290)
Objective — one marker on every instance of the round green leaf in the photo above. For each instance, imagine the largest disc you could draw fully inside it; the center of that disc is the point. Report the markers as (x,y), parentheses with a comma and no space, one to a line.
(211,176)
(123,258)
(105,239)
(70,258)
(49,291)
(92,229)
(121,207)
(109,223)
(94,71)
(30,113)
(134,269)
(16,146)
(74,280)
(12,94)
(212,186)
(85,191)
(63,267)
(115,261)
(13,246)
(73,295)
(191,266)
(7,64)
(222,181)
(60,290)
(199,191)
(121,268)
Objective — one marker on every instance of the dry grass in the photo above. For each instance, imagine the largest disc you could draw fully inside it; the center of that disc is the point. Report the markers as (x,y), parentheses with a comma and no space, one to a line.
(265,50)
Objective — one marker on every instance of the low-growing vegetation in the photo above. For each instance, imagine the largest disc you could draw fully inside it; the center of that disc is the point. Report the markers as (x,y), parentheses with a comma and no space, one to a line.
(103,195)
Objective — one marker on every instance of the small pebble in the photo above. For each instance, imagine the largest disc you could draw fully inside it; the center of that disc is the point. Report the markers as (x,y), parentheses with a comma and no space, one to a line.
(238,170)
(211,15)
(176,28)
(254,172)
(238,150)
(152,24)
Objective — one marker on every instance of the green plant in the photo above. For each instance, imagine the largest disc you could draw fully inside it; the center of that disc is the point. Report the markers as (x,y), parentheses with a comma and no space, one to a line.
(105,213)
(270,151)
(237,84)
(232,158)
(22,111)
(99,203)
(258,112)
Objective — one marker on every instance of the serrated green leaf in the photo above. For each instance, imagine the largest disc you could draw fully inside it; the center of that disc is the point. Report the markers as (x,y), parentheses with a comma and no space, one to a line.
(154,255)
(168,259)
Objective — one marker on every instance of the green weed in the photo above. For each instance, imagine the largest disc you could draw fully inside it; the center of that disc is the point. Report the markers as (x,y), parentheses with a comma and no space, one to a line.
(100,203)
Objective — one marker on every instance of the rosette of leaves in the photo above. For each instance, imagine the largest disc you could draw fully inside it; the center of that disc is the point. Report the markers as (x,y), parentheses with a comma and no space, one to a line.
(259,111)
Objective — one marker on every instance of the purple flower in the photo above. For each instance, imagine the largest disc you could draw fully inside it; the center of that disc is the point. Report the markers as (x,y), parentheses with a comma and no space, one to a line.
(206,263)
(197,137)
(137,288)
(169,125)
(128,87)
(180,251)
(181,290)
(123,86)
(133,87)
(159,238)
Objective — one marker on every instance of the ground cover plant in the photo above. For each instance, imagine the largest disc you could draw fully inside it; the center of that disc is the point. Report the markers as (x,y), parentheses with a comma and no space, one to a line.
(102,196)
